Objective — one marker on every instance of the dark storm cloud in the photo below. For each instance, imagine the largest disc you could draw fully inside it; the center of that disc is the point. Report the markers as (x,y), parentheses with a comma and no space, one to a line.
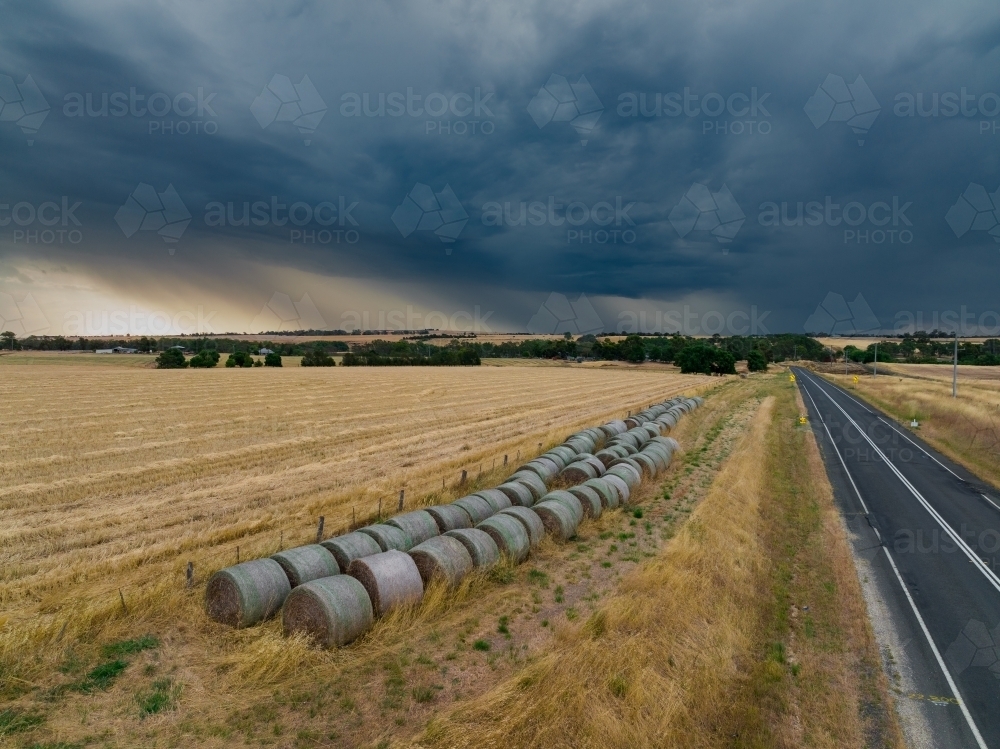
(653,72)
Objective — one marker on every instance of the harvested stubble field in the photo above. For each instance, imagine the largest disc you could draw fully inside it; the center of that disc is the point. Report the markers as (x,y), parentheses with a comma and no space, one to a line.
(966,429)
(113,478)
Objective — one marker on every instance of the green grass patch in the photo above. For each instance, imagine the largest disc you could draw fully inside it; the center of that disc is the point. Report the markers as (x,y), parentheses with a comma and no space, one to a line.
(17,721)
(129,647)
(102,677)
(481,645)
(162,696)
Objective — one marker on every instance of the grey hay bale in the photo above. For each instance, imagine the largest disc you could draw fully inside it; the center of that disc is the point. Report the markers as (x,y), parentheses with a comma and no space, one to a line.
(305,563)
(652,429)
(334,611)
(673,443)
(442,556)
(631,422)
(391,579)
(593,461)
(619,485)
(545,468)
(630,474)
(518,494)
(509,534)
(535,485)
(498,500)
(604,489)
(388,537)
(658,455)
(613,428)
(647,463)
(629,438)
(556,458)
(590,500)
(247,593)
(531,522)
(419,525)
(351,546)
(477,508)
(557,518)
(571,502)
(563,452)
(578,472)
(480,545)
(449,517)
(609,454)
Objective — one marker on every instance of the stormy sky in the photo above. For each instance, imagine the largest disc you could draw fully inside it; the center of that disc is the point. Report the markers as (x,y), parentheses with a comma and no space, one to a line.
(732,167)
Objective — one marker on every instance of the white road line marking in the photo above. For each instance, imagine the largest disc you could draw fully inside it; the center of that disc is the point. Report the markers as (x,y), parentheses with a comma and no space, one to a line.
(913,606)
(990,501)
(905,436)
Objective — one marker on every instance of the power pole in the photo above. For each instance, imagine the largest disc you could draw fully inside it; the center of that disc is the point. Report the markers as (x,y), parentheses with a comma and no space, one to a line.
(954,370)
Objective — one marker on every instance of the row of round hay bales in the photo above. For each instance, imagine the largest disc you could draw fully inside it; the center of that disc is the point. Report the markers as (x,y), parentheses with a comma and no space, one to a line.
(325,578)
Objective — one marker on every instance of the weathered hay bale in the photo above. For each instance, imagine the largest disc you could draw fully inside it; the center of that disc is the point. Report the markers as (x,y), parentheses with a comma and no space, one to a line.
(620,486)
(509,534)
(391,579)
(332,610)
(631,422)
(388,537)
(545,469)
(630,473)
(518,494)
(578,472)
(590,500)
(532,481)
(629,438)
(351,546)
(674,443)
(444,557)
(531,522)
(305,563)
(247,593)
(556,458)
(480,545)
(614,427)
(565,453)
(658,455)
(651,428)
(609,454)
(477,508)
(648,465)
(449,517)
(594,462)
(498,500)
(419,525)
(607,493)
(569,500)
(557,518)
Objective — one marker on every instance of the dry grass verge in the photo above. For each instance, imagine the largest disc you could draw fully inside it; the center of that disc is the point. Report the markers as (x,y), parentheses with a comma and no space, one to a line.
(748,629)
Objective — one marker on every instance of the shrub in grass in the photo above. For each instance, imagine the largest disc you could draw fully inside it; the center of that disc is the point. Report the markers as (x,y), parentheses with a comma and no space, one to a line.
(481,645)
(272,360)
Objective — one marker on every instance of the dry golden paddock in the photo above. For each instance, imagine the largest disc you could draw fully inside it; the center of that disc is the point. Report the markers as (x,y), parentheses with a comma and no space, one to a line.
(656,621)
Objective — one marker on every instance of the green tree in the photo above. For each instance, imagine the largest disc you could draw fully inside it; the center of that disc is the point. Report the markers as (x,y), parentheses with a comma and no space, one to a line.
(317,357)
(272,360)
(172,358)
(8,339)
(756,361)
(632,349)
(723,362)
(239,359)
(205,358)
(696,358)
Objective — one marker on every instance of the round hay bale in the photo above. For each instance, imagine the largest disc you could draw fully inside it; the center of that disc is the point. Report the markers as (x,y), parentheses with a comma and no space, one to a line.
(545,469)
(652,429)
(648,465)
(498,500)
(569,500)
(557,518)
(607,493)
(305,563)
(509,534)
(590,500)
(334,611)
(449,517)
(629,473)
(531,522)
(631,422)
(442,556)
(419,525)
(388,537)
(613,428)
(480,545)
(247,593)
(351,546)
(619,485)
(556,458)
(629,438)
(530,480)
(658,455)
(578,472)
(563,452)
(673,443)
(391,579)
(477,508)
(609,454)
(594,461)
(518,494)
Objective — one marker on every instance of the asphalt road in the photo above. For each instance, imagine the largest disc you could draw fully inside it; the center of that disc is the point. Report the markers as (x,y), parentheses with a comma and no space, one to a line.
(929,533)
